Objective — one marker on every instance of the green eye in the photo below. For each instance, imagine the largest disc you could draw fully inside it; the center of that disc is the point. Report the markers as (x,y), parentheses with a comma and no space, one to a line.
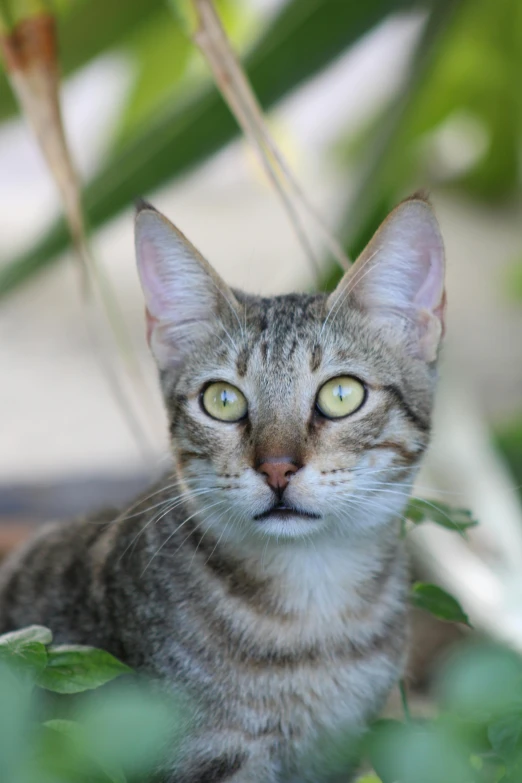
(340,396)
(224,402)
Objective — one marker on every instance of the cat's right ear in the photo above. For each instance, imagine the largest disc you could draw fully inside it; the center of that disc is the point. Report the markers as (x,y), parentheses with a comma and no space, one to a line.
(399,279)
(184,296)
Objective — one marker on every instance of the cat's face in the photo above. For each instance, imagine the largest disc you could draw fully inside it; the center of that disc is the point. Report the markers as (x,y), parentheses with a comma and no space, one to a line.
(297,415)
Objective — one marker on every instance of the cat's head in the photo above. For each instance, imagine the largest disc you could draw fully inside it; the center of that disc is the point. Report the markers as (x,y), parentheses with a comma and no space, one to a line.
(300,414)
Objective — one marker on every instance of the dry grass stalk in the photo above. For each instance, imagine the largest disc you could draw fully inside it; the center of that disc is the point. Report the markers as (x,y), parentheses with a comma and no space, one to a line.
(29,50)
(231,80)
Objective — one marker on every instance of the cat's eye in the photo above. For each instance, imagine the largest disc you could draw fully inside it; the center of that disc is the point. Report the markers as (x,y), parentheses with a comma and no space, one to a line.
(224,402)
(340,396)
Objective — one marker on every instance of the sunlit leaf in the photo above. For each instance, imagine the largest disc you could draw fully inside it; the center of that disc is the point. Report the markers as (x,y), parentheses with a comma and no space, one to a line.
(14,641)
(74,668)
(26,649)
(438,602)
(161,52)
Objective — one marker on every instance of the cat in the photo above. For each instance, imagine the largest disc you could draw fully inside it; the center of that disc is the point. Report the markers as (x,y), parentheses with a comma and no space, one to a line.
(266,575)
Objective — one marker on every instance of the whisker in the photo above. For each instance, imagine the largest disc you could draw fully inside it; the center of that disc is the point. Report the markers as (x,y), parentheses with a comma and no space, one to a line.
(217,542)
(220,517)
(232,308)
(169,537)
(335,306)
(352,504)
(185,493)
(163,488)
(171,505)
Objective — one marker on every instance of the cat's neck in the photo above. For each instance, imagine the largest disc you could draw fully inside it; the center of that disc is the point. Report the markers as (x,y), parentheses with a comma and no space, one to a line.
(324,575)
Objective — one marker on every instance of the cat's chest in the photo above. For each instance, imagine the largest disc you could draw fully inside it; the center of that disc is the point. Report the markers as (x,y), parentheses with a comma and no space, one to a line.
(297,706)
(299,680)
(296,665)
(323,694)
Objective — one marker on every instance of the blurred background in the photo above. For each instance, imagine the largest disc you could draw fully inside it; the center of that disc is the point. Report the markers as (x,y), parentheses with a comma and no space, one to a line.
(369,102)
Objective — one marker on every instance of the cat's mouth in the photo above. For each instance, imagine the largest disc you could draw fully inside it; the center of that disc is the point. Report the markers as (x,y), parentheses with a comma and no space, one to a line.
(283,511)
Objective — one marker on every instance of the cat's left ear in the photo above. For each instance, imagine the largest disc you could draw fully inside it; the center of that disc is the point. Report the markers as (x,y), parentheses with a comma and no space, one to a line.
(399,278)
(185,298)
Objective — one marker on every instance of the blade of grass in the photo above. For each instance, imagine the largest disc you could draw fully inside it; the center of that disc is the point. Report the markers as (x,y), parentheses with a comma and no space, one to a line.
(235,88)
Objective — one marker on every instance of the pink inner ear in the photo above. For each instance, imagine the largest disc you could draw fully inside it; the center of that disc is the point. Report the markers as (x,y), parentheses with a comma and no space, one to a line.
(149,266)
(151,324)
(440,313)
(431,288)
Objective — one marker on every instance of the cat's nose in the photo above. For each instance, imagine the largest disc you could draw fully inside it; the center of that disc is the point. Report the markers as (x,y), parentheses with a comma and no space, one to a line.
(278,472)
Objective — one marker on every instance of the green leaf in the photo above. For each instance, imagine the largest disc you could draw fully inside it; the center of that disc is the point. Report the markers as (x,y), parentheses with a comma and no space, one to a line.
(16,640)
(133,725)
(26,650)
(418,753)
(438,602)
(160,53)
(16,706)
(69,728)
(304,37)
(74,668)
(74,757)
(505,735)
(481,682)
(470,62)
(459,519)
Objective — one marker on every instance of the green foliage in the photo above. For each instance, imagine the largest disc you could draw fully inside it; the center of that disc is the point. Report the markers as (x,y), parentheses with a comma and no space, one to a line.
(476,734)
(457,519)
(26,650)
(303,38)
(438,602)
(104,736)
(462,82)
(73,669)
(509,441)
(417,751)
(62,668)
(431,598)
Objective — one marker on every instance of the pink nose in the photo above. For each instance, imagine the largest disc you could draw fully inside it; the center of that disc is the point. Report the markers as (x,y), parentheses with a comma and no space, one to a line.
(278,472)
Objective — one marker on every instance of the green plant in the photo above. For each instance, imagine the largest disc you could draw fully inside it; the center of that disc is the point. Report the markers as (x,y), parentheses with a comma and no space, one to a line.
(302,38)
(101,735)
(476,733)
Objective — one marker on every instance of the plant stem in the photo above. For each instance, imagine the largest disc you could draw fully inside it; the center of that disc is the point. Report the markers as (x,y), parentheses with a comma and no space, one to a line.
(404,700)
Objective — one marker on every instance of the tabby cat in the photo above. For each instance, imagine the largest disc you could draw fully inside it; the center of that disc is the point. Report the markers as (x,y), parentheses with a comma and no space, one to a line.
(266,574)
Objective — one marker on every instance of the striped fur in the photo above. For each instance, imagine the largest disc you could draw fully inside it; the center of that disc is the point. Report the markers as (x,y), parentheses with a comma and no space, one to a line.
(283,635)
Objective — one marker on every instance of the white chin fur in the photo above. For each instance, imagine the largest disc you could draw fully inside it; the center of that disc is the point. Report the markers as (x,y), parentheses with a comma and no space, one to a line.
(289,528)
